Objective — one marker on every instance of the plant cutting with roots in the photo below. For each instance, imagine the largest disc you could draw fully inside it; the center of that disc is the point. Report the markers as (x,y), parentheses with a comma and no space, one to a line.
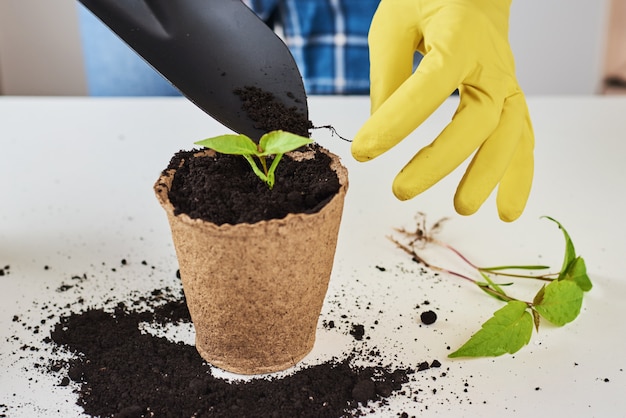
(559,300)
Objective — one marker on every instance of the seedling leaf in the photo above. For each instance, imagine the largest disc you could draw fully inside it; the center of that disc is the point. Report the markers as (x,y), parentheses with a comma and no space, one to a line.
(230,144)
(270,172)
(280,142)
(507,331)
(256,169)
(272,143)
(561,302)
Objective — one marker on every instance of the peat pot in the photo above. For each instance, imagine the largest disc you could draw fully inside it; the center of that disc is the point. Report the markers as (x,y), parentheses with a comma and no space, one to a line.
(255,291)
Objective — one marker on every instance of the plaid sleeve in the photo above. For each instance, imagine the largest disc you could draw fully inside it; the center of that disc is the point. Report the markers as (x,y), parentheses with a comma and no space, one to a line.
(328,39)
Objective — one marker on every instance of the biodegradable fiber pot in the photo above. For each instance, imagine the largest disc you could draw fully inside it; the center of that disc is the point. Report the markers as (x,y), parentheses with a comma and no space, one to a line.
(255,291)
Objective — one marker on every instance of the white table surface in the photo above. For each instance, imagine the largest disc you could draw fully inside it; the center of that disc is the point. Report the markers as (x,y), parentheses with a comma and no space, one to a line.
(76,196)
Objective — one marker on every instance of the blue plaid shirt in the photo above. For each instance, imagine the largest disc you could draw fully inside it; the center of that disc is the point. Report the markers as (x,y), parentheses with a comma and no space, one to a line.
(327,38)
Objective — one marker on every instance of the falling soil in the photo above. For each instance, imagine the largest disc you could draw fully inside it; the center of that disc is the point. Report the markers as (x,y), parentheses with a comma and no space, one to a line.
(270,114)
(124,372)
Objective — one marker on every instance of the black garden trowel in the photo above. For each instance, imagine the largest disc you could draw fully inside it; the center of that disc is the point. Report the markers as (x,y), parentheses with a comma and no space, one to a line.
(208,49)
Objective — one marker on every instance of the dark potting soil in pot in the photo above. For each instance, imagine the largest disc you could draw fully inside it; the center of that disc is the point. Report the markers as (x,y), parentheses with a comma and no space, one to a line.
(223,188)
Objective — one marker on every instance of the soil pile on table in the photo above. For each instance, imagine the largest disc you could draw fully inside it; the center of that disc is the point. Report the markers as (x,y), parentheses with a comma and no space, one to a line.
(124,372)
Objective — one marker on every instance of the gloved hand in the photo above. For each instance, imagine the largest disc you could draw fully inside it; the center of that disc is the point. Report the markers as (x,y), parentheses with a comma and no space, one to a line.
(465,46)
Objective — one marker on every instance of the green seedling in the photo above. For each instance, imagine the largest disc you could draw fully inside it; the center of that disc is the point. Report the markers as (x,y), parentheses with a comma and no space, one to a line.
(558,301)
(272,146)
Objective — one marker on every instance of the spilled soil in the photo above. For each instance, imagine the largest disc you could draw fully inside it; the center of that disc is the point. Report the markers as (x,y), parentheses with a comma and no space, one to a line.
(124,372)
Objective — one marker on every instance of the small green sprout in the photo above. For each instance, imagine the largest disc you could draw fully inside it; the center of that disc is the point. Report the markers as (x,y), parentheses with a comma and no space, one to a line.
(275,143)
(510,328)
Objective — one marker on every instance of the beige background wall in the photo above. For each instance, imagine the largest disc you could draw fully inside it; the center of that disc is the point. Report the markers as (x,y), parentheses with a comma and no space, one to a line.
(40,50)
(615,62)
(558,44)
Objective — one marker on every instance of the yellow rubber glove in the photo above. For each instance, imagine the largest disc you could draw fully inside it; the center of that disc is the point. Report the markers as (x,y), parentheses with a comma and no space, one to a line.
(465,46)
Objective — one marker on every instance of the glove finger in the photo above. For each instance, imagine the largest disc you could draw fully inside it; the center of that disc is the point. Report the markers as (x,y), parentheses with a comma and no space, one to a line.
(454,144)
(442,33)
(492,159)
(515,186)
(408,107)
(392,41)
(444,66)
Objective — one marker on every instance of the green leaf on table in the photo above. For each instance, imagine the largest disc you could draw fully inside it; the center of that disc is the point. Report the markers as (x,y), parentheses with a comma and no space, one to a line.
(230,144)
(280,142)
(507,331)
(576,271)
(539,296)
(536,318)
(559,302)
(486,287)
(492,288)
(574,267)
(570,252)
(529,267)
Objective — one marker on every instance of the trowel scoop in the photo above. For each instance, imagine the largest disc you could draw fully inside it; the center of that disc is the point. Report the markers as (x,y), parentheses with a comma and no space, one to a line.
(208,49)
